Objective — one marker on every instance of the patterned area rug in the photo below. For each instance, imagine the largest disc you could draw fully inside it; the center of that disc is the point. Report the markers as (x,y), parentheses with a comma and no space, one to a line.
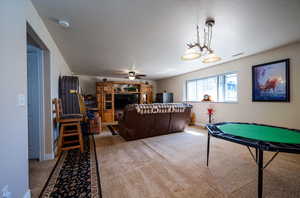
(75,174)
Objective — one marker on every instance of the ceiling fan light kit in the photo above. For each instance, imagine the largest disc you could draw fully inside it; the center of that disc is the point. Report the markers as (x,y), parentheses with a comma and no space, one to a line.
(131,75)
(196,50)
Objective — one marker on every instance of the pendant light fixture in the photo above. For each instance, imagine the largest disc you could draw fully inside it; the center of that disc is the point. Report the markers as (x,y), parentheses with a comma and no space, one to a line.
(196,50)
(211,58)
(191,54)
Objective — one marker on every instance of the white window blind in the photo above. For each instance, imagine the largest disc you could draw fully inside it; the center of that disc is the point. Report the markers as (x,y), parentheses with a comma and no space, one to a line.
(221,88)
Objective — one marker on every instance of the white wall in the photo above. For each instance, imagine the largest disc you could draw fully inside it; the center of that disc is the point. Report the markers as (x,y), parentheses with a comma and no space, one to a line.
(58,65)
(280,114)
(13,82)
(88,84)
(13,118)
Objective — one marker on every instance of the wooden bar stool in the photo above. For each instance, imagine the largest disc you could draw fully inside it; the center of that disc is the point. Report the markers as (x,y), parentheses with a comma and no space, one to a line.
(70,135)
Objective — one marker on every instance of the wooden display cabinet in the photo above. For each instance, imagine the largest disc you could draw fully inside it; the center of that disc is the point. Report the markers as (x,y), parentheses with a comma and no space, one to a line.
(146,94)
(105,96)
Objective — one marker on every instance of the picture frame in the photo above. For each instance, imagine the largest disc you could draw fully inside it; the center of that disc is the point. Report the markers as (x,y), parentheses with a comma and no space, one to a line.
(271,81)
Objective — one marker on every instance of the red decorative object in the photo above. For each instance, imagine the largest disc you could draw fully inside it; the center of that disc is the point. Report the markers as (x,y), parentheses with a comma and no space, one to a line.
(210,111)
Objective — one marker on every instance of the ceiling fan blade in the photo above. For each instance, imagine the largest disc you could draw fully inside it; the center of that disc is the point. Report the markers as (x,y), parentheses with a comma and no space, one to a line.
(141,75)
(120,73)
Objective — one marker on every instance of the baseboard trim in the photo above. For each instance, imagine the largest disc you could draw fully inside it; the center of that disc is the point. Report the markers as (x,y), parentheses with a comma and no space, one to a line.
(27,194)
(49,156)
(200,124)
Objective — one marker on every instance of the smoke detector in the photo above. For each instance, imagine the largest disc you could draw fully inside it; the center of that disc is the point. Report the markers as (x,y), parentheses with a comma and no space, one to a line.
(63,23)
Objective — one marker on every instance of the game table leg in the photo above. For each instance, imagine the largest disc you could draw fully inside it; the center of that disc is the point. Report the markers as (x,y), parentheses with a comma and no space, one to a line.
(208,145)
(260,173)
(256,155)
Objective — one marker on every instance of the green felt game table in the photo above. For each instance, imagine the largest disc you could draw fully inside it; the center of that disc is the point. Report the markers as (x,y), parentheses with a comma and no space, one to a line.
(261,137)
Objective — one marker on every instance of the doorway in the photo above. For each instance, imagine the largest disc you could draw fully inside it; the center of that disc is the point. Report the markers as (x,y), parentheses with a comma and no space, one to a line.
(40,126)
(34,100)
(39,98)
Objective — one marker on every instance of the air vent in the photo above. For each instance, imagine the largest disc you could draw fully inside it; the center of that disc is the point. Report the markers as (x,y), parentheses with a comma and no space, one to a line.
(238,54)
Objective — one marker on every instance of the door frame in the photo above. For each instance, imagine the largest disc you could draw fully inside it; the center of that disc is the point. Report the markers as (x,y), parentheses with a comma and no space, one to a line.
(45,95)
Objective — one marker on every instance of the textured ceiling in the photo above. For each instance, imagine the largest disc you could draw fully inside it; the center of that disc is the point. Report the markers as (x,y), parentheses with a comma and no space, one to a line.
(111,35)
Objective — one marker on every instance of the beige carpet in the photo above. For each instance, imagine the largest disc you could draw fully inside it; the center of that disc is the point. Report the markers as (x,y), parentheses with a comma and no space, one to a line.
(39,172)
(174,166)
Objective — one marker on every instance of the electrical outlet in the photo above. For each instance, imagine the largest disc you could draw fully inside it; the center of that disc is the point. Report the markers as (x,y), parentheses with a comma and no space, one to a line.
(5,193)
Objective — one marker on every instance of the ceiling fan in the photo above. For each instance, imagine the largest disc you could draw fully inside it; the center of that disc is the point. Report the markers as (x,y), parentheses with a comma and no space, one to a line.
(131,74)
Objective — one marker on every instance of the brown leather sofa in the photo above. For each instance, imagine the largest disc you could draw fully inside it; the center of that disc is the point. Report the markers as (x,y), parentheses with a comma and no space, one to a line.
(148,120)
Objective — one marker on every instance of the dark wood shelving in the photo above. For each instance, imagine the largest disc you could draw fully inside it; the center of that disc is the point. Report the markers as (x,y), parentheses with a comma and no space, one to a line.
(127,92)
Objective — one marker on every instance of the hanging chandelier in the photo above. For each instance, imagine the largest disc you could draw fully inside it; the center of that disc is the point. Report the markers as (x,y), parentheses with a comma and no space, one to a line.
(196,50)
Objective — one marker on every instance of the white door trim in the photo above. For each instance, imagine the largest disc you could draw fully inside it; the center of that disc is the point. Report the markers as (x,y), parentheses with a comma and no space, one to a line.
(27,194)
(42,106)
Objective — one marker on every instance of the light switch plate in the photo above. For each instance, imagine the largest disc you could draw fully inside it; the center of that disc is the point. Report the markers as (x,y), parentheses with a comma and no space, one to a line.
(21,100)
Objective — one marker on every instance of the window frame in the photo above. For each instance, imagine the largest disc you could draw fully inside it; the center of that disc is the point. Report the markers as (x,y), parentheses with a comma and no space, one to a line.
(186,88)
(237,84)
(218,87)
